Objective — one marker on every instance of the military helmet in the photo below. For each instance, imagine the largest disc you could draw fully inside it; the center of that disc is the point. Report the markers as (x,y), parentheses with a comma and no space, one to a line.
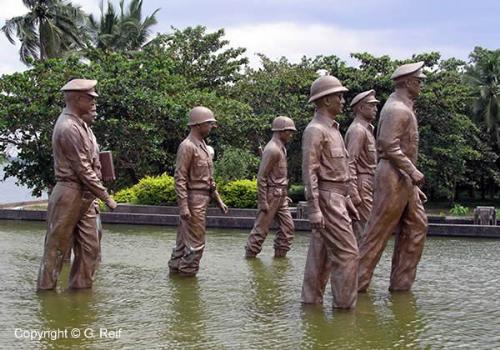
(199,115)
(283,123)
(324,86)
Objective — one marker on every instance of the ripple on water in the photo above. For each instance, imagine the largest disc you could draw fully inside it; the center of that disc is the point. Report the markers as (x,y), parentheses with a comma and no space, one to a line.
(249,304)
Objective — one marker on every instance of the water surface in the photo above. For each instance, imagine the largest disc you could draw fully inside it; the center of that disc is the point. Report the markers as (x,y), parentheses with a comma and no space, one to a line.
(236,303)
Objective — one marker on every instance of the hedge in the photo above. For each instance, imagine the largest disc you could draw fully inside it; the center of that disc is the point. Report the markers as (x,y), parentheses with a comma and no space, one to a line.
(239,193)
(160,190)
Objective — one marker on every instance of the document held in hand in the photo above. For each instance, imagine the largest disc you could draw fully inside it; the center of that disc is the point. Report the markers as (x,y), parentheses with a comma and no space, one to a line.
(107,167)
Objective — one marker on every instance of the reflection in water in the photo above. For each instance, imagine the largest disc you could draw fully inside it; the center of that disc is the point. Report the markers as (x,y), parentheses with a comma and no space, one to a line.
(267,287)
(395,324)
(240,304)
(68,310)
(187,314)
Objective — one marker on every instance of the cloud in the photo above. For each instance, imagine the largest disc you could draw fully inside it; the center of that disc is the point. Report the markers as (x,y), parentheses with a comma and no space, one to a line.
(89,6)
(11,9)
(9,57)
(294,40)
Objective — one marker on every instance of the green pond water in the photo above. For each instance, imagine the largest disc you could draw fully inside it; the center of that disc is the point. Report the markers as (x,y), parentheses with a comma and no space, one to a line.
(239,304)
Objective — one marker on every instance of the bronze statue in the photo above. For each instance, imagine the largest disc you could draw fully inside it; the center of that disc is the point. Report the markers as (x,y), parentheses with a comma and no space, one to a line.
(272,183)
(360,144)
(194,186)
(397,203)
(71,215)
(333,250)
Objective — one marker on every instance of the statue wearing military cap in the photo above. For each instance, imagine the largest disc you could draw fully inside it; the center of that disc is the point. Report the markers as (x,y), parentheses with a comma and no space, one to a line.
(195,187)
(398,200)
(83,85)
(409,70)
(72,210)
(360,143)
(272,185)
(333,250)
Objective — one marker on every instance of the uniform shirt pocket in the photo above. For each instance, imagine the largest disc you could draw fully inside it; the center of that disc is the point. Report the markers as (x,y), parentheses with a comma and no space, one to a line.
(200,168)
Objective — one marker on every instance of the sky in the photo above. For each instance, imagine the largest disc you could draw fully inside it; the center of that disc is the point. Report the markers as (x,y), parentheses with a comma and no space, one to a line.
(293,28)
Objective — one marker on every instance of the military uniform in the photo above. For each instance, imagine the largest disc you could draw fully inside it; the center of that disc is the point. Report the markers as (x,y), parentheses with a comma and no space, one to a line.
(71,214)
(272,182)
(360,143)
(397,204)
(333,251)
(195,187)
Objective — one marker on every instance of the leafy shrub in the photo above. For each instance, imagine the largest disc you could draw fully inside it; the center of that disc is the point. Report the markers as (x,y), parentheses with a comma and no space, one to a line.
(157,190)
(296,193)
(126,195)
(236,163)
(240,193)
(459,210)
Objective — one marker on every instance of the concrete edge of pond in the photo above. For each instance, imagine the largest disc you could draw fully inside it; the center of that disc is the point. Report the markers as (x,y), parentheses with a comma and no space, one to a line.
(244,219)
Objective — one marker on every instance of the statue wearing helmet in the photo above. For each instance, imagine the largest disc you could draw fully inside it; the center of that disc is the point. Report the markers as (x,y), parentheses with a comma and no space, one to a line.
(195,187)
(333,250)
(272,184)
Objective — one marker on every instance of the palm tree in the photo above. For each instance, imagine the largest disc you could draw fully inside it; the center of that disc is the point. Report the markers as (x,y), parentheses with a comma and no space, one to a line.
(484,77)
(104,31)
(50,28)
(124,32)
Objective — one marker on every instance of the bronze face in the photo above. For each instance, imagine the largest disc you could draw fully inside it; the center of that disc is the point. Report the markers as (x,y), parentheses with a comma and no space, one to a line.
(368,111)
(89,118)
(285,135)
(205,128)
(335,103)
(414,86)
(85,104)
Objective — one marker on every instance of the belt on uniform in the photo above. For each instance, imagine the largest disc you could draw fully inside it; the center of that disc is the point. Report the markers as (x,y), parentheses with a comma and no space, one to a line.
(71,184)
(336,187)
(281,190)
(199,190)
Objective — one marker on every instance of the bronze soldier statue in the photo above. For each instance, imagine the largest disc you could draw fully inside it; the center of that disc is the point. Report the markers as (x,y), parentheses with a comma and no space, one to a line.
(195,187)
(397,203)
(272,183)
(360,144)
(333,250)
(71,215)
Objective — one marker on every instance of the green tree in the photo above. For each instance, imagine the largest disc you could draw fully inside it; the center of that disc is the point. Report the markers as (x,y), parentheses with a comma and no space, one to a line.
(203,58)
(50,28)
(484,76)
(127,31)
(453,149)
(236,164)
(143,109)
(277,88)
